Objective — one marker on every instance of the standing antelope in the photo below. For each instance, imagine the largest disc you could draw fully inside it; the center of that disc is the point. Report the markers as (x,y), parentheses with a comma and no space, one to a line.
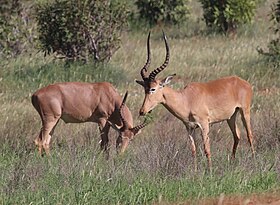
(77,102)
(199,104)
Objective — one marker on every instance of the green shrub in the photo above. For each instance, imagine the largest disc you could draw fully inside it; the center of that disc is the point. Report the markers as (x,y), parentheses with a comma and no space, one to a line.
(83,29)
(273,52)
(226,15)
(163,11)
(17,30)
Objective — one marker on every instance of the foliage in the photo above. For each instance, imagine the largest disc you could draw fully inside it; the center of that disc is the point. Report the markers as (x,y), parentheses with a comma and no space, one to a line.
(39,71)
(84,178)
(273,53)
(17,31)
(157,167)
(81,29)
(163,11)
(226,15)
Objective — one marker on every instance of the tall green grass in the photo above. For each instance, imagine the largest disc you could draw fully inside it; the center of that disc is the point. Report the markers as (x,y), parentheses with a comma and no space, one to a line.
(80,176)
(157,167)
(26,74)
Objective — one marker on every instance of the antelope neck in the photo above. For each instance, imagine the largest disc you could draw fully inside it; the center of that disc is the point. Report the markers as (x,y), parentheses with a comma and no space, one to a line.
(126,114)
(175,102)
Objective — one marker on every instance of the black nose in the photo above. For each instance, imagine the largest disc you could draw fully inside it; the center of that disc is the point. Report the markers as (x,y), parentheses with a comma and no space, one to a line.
(141,113)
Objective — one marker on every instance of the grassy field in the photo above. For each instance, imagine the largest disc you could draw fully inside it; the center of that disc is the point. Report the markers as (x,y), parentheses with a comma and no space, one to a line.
(157,167)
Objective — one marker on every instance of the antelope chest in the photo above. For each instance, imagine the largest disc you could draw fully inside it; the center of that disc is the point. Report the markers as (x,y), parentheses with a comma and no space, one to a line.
(191,123)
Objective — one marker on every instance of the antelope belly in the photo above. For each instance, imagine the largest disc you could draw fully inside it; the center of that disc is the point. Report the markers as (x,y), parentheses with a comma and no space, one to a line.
(67,118)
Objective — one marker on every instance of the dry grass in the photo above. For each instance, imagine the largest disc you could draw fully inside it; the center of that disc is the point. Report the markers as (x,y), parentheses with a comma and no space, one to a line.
(158,163)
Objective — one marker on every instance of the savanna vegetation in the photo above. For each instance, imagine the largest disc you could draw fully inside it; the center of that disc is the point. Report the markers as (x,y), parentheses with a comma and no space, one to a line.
(157,167)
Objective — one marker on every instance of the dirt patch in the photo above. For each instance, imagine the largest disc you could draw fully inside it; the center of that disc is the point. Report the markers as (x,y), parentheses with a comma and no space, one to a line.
(253,199)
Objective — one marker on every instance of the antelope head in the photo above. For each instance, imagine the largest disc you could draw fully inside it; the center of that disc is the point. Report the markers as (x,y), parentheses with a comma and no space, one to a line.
(153,87)
(126,132)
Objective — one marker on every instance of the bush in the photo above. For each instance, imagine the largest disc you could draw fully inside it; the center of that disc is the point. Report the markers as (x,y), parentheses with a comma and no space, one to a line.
(273,53)
(163,11)
(17,31)
(83,29)
(226,15)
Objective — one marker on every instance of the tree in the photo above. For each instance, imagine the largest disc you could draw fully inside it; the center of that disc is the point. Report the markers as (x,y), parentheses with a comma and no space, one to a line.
(273,53)
(17,31)
(81,29)
(163,11)
(226,15)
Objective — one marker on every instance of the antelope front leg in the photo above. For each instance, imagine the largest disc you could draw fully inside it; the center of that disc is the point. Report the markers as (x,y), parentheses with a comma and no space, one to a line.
(104,128)
(191,133)
(206,142)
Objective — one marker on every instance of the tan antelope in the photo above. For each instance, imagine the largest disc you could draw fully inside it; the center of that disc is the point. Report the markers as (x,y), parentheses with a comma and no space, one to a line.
(199,104)
(78,102)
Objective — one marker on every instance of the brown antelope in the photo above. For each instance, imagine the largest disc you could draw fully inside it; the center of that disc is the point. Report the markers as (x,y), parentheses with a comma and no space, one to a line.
(77,102)
(199,104)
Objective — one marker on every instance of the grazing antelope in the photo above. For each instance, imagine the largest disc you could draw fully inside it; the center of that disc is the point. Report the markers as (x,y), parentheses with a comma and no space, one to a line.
(199,104)
(77,102)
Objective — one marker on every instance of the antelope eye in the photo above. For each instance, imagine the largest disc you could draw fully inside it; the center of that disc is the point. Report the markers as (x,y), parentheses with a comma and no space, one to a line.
(152,90)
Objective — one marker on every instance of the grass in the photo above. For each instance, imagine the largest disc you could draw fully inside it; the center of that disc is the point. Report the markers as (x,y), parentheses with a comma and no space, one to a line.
(157,167)
(82,177)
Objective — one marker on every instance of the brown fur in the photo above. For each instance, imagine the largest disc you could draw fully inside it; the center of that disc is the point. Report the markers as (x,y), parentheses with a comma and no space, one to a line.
(77,102)
(200,104)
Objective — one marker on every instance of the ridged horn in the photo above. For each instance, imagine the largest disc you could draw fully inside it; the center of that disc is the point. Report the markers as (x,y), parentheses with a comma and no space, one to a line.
(164,65)
(148,62)
(138,127)
(125,124)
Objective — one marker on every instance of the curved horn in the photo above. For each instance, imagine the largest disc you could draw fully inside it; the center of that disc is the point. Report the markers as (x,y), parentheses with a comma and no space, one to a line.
(148,62)
(138,127)
(125,125)
(164,65)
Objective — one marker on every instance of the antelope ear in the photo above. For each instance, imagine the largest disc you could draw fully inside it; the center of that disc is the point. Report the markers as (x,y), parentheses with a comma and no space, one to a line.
(167,80)
(140,82)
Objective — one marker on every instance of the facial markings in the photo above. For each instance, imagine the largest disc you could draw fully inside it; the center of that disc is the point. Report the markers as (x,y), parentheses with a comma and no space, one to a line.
(152,87)
(152,90)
